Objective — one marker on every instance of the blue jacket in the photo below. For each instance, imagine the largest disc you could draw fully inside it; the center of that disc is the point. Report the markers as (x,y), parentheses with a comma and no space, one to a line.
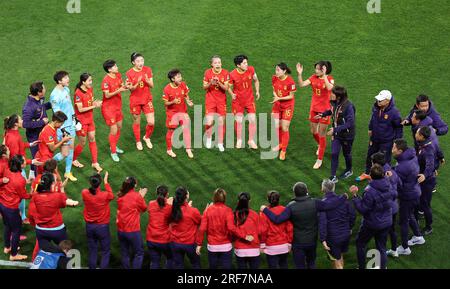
(426,157)
(385,124)
(376,205)
(434,138)
(440,126)
(343,115)
(336,224)
(33,113)
(407,170)
(395,183)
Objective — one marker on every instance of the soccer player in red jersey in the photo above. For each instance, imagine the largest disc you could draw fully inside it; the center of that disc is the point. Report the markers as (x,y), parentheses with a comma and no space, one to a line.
(175,97)
(139,82)
(241,91)
(112,87)
(321,83)
(215,82)
(283,105)
(84,110)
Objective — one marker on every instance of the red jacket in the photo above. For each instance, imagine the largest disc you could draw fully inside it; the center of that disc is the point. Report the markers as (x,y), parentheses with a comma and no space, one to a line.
(217,223)
(48,205)
(16,145)
(158,229)
(273,234)
(186,230)
(252,226)
(14,191)
(96,207)
(129,209)
(4,168)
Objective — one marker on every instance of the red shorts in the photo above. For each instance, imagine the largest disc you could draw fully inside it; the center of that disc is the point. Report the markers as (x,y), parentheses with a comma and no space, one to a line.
(173,120)
(285,113)
(86,127)
(216,107)
(238,107)
(112,115)
(146,108)
(323,120)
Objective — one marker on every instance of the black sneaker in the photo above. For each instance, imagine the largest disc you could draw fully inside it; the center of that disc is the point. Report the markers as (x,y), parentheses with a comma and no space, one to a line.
(346,175)
(334,179)
(427,231)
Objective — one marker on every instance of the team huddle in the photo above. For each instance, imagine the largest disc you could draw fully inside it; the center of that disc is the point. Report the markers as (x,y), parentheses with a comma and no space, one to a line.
(396,196)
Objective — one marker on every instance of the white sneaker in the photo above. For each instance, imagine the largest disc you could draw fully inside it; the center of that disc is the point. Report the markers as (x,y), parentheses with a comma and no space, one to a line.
(208,142)
(148,142)
(239,144)
(171,153)
(317,165)
(403,251)
(252,145)
(189,153)
(392,253)
(139,146)
(416,241)
(221,148)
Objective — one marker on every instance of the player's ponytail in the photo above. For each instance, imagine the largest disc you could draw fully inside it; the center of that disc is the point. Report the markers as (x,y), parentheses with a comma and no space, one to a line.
(273,197)
(10,122)
(95,181)
(325,63)
(127,185)
(242,209)
(45,183)
(180,199)
(283,66)
(3,150)
(83,77)
(161,194)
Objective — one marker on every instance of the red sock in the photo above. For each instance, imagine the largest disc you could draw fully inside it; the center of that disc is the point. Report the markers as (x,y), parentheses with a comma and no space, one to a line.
(149,130)
(117,136)
(285,140)
(169,135)
(221,133)
(35,251)
(238,127)
(208,129)
(113,143)
(322,146)
(94,152)
(280,136)
(316,137)
(251,131)
(187,136)
(137,131)
(77,151)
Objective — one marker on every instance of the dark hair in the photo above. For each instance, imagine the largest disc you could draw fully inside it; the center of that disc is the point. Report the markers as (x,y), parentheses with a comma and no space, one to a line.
(424,131)
(325,63)
(108,64)
(340,92)
(171,74)
(95,180)
(300,189)
(422,98)
(15,163)
(161,194)
(50,165)
(59,75)
(46,182)
(10,122)
(378,158)
(65,245)
(283,66)
(3,149)
(127,185)
(242,209)
(59,116)
(401,144)
(420,115)
(219,196)
(135,55)
(239,59)
(180,197)
(36,87)
(83,77)
(376,172)
(273,197)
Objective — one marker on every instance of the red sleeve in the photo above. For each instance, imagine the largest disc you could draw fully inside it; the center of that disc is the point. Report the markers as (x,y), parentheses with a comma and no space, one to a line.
(330,79)
(274,80)
(290,231)
(109,191)
(310,78)
(291,85)
(22,190)
(187,88)
(78,98)
(105,84)
(149,72)
(264,227)
(62,198)
(166,93)
(141,204)
(202,229)
(252,70)
(206,77)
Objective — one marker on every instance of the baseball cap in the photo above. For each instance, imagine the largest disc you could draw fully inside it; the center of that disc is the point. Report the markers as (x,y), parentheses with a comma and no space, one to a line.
(384,94)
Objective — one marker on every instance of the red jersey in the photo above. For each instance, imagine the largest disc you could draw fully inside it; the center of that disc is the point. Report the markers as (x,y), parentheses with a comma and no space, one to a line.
(283,88)
(273,234)
(141,95)
(252,226)
(217,223)
(46,137)
(14,191)
(16,145)
(216,93)
(320,101)
(186,230)
(242,84)
(171,93)
(85,98)
(129,209)
(158,229)
(96,207)
(111,85)
(48,205)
